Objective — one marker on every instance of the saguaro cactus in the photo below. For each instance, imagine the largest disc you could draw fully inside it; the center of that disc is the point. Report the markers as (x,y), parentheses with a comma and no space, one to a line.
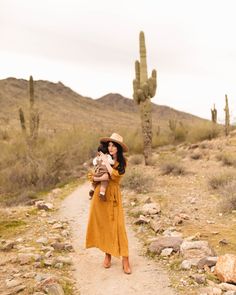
(214,115)
(144,90)
(33,116)
(226,109)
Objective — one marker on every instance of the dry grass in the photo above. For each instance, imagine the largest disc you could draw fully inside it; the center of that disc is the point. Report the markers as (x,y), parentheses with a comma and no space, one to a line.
(170,165)
(204,131)
(51,162)
(228,195)
(136,159)
(222,179)
(196,155)
(135,179)
(227,158)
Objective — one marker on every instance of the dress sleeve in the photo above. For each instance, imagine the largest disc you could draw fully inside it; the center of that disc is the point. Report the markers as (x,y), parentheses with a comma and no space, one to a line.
(115,174)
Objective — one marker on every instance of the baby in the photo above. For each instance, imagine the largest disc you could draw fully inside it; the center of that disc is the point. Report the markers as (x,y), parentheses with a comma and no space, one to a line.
(99,170)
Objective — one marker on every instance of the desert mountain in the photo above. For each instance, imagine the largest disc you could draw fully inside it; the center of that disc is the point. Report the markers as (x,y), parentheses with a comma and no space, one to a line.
(61,107)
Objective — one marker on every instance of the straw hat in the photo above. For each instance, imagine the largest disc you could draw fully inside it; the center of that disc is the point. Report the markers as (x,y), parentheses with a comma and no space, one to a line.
(115,137)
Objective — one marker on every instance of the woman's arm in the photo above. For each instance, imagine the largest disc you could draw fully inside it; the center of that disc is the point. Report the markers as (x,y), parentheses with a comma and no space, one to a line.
(101,178)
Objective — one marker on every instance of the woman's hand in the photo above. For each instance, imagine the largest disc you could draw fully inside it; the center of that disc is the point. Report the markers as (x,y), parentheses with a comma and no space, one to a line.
(104,158)
(90,176)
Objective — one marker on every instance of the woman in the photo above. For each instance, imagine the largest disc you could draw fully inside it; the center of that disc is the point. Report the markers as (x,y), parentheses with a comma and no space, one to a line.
(106,227)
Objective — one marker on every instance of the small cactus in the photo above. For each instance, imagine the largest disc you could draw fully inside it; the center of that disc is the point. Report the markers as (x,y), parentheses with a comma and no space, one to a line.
(144,89)
(227,119)
(214,115)
(33,116)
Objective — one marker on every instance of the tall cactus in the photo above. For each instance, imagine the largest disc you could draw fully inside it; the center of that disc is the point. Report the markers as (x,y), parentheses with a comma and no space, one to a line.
(214,115)
(144,90)
(226,109)
(33,116)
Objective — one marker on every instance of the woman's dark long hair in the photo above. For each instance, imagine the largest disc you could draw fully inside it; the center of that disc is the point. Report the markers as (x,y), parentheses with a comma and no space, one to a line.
(120,158)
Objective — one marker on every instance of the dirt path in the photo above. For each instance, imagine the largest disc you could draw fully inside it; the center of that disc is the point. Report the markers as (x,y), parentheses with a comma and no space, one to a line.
(147,277)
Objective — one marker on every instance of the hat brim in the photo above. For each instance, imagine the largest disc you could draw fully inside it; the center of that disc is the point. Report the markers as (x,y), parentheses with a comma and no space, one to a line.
(123,145)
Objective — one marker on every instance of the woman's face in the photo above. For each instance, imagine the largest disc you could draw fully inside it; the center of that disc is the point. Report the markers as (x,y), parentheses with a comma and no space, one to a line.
(112,149)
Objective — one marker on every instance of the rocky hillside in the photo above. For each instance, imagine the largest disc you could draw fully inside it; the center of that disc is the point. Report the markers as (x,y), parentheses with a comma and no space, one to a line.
(61,107)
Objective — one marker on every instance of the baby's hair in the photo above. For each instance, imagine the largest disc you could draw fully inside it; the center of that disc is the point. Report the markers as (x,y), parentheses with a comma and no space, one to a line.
(103,148)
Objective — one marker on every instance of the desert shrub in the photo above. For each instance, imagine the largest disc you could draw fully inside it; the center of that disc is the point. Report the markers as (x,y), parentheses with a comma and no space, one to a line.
(54,160)
(161,139)
(227,158)
(196,155)
(228,195)
(137,180)
(136,159)
(206,131)
(133,139)
(221,179)
(171,166)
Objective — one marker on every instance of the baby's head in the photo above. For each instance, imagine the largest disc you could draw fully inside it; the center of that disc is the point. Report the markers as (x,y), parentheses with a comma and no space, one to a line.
(103,148)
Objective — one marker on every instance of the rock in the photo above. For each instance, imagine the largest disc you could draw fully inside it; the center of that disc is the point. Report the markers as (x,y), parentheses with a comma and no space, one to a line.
(50,280)
(41,205)
(223,242)
(148,200)
(227,287)
(165,242)
(166,252)
(26,258)
(200,279)
(59,265)
(230,293)
(65,233)
(63,259)
(57,225)
(15,290)
(142,220)
(195,237)
(188,263)
(56,191)
(196,249)
(7,245)
(209,261)
(177,220)
(150,209)
(156,225)
(172,233)
(42,240)
(210,291)
(13,283)
(62,246)
(54,289)
(225,268)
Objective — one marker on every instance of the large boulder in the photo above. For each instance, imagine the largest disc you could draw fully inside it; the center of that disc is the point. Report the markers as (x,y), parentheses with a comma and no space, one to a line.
(196,249)
(165,242)
(150,209)
(225,268)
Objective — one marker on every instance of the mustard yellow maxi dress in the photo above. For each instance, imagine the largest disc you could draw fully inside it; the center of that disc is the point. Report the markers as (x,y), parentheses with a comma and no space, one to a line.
(106,226)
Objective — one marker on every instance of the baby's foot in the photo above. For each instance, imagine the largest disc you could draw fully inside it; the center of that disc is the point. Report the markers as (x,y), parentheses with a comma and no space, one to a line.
(102,197)
(91,192)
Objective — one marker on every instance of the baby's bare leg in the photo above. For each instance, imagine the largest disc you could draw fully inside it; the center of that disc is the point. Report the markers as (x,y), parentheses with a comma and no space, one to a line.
(103,186)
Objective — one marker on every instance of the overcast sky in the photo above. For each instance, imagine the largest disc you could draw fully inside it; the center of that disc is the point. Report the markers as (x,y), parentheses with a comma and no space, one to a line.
(91,46)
